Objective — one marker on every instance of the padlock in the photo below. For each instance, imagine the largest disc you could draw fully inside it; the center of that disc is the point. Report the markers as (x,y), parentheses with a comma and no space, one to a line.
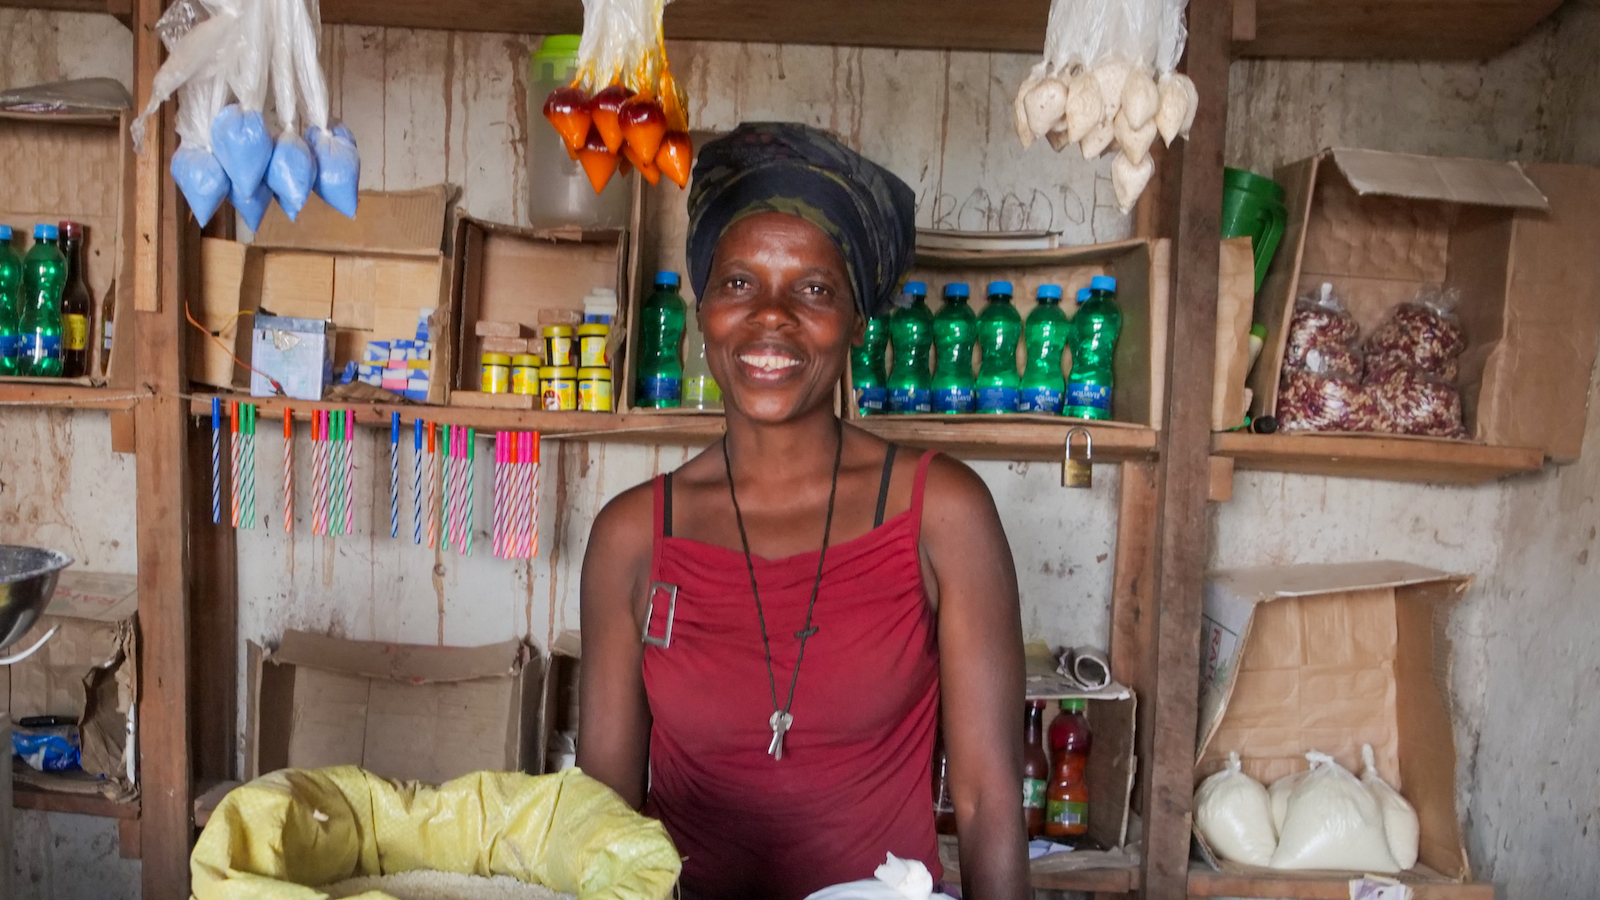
(1078,471)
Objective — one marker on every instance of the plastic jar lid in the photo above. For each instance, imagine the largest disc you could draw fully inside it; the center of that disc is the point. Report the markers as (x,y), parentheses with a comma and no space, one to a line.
(524,360)
(561,372)
(594,329)
(496,359)
(547,372)
(594,374)
(558,331)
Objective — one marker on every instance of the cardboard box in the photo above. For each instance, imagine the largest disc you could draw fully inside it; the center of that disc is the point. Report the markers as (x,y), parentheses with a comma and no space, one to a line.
(1141,268)
(78,168)
(404,711)
(517,275)
(371,276)
(1236,290)
(558,711)
(1113,716)
(88,671)
(1330,657)
(1380,225)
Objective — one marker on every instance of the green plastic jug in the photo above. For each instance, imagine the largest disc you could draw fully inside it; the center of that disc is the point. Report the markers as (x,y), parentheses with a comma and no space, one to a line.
(1252,207)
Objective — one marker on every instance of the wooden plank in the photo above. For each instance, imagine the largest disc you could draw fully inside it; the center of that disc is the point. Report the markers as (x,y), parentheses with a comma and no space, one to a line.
(1384,458)
(24,796)
(1289,886)
(82,6)
(1244,20)
(165,746)
(1133,612)
(1018,440)
(67,396)
(1167,746)
(206,802)
(1362,29)
(128,845)
(122,431)
(1099,881)
(1220,488)
(213,620)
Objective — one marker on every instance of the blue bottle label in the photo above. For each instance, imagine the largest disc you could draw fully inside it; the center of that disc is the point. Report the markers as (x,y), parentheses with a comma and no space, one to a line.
(1094,396)
(871,399)
(997,399)
(1040,400)
(657,388)
(952,400)
(41,346)
(8,344)
(910,400)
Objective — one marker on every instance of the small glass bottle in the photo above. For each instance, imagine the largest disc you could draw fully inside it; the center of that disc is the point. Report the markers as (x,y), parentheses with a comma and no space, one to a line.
(76,304)
(700,389)
(1035,769)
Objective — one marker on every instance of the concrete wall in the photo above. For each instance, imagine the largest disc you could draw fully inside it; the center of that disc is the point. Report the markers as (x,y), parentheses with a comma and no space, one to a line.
(432,107)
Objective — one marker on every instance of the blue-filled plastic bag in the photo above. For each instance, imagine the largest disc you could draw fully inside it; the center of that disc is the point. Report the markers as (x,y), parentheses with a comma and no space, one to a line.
(338,167)
(241,143)
(201,178)
(292,173)
(53,749)
(253,207)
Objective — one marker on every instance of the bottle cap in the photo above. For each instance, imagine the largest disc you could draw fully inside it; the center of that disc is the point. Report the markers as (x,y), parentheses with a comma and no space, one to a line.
(1049,292)
(45,232)
(5,232)
(916,288)
(71,230)
(669,279)
(1103,283)
(1083,294)
(1074,704)
(957,289)
(1259,330)
(999,287)
(496,359)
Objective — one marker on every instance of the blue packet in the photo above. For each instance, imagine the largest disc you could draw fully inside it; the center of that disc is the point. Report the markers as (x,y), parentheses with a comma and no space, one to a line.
(52,749)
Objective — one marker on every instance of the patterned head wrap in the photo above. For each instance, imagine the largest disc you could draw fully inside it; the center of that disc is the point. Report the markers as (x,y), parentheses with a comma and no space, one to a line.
(801,171)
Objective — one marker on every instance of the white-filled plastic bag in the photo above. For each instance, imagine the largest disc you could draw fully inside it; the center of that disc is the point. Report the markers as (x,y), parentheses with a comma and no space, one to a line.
(1400,825)
(896,879)
(1232,811)
(1333,822)
(1278,795)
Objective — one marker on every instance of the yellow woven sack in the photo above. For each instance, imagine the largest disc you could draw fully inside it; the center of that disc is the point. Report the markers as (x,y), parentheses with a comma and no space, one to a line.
(279,836)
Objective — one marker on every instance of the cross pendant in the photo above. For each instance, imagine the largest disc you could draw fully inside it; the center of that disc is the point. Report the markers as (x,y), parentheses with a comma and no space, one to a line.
(780,723)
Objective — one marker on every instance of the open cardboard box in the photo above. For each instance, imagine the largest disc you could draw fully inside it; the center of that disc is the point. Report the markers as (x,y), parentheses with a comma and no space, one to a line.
(1141,268)
(404,711)
(504,273)
(78,168)
(89,672)
(372,276)
(1378,226)
(1330,657)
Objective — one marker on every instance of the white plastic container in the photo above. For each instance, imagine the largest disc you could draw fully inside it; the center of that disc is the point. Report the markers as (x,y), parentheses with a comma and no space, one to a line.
(559,192)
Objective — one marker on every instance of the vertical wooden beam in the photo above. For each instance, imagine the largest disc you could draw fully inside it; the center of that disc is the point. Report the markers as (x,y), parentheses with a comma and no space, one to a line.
(213,618)
(1184,471)
(165,747)
(1133,613)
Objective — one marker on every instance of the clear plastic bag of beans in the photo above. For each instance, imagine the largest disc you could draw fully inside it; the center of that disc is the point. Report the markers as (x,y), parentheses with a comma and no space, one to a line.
(1424,332)
(1408,400)
(1312,401)
(1319,320)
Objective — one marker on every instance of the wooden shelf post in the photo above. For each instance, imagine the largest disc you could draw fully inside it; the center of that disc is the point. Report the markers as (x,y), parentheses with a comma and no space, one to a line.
(1183,470)
(165,751)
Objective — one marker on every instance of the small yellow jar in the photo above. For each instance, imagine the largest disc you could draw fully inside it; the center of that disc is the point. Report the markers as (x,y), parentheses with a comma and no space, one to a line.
(496,373)
(592,346)
(560,388)
(525,374)
(594,390)
(558,346)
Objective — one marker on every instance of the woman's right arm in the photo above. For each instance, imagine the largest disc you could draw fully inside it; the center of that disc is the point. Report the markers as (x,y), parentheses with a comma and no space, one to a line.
(614,745)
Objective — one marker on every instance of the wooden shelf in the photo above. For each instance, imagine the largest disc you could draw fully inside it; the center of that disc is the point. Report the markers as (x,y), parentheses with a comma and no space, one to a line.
(971,440)
(25,796)
(65,396)
(1325,29)
(1119,880)
(1425,885)
(1383,458)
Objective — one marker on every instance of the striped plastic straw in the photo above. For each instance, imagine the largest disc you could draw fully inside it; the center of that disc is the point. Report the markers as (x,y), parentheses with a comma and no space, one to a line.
(234,451)
(316,472)
(216,460)
(498,528)
(472,453)
(336,471)
(249,415)
(394,475)
(349,471)
(416,481)
(288,470)
(433,488)
(533,494)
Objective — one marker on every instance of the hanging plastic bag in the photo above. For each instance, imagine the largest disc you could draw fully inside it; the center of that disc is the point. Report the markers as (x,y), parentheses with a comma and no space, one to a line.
(292,171)
(1232,811)
(1333,822)
(239,133)
(896,879)
(1400,824)
(338,164)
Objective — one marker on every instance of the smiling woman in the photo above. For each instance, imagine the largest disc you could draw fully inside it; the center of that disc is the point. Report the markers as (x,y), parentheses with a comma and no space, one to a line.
(811,602)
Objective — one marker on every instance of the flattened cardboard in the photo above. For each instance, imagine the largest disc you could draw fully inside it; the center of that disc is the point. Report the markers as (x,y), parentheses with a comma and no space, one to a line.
(1378,226)
(407,223)
(78,169)
(1300,658)
(231,282)
(558,708)
(1236,288)
(405,711)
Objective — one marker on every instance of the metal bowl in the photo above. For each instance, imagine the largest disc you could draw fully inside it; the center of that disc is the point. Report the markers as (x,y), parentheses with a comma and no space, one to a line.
(27,579)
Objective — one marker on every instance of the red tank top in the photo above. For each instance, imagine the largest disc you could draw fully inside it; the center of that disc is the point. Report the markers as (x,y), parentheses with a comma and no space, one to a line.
(855,781)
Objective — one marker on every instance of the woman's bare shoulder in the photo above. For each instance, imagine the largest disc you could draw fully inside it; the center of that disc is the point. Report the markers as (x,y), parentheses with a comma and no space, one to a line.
(953,489)
(624,531)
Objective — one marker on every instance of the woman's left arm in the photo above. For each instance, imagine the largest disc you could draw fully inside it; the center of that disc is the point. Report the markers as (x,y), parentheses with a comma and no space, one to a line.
(981,677)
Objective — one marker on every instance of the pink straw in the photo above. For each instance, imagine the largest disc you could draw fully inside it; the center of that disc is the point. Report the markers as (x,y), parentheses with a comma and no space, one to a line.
(349,471)
(533,494)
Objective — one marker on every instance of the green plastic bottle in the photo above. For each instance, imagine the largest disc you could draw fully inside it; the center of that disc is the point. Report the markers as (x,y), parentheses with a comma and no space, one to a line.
(1048,330)
(999,330)
(869,374)
(44,274)
(955,329)
(1094,345)
(911,336)
(659,384)
(10,298)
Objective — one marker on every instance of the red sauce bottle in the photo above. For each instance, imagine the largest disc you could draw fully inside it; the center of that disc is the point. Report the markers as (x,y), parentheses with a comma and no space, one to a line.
(1067,798)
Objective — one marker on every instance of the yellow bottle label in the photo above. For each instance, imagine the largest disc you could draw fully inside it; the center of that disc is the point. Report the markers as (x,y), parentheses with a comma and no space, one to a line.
(496,379)
(75,332)
(557,350)
(560,394)
(525,380)
(594,395)
(592,352)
